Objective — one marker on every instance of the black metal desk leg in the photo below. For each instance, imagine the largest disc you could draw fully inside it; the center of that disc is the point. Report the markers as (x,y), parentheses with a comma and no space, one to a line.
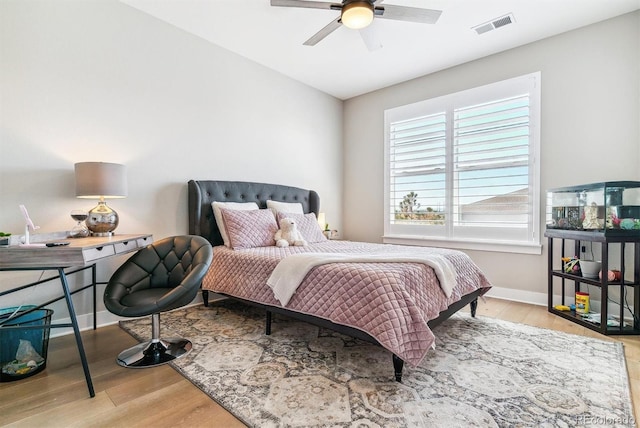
(94,282)
(76,330)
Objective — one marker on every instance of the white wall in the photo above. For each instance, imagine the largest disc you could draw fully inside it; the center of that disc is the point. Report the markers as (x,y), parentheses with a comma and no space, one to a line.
(590,129)
(100,81)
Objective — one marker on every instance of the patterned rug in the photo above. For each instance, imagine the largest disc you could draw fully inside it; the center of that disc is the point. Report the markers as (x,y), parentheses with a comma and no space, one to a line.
(483,373)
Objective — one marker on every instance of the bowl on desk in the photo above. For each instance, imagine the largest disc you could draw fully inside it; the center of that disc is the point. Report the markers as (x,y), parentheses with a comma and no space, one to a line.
(590,269)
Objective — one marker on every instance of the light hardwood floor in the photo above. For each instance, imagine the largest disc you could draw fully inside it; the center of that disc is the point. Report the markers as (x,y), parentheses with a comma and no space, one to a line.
(160,397)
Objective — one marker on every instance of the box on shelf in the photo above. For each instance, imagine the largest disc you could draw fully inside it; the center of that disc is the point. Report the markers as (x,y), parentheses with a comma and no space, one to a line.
(571,265)
(582,302)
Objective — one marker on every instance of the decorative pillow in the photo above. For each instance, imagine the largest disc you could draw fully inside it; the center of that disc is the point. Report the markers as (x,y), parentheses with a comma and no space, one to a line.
(285,207)
(239,206)
(249,229)
(307,225)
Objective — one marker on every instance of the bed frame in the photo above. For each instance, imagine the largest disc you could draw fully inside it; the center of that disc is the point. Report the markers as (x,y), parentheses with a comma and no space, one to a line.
(202,222)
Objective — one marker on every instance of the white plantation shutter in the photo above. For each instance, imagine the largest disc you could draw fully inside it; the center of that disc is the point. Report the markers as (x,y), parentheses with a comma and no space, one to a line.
(491,163)
(464,166)
(417,163)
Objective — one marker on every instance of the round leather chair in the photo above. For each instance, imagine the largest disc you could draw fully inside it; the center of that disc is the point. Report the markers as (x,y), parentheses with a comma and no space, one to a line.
(163,276)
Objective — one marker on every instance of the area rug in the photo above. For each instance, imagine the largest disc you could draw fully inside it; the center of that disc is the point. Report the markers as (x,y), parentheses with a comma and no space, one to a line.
(483,373)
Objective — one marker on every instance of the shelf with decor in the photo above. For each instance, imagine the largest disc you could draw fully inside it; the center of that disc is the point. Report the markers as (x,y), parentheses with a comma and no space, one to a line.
(607,214)
(627,317)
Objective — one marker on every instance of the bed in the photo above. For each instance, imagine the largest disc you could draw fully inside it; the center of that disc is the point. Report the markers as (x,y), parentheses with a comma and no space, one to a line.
(394,303)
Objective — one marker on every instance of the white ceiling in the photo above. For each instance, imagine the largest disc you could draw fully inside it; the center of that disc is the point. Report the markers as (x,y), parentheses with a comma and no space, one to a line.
(342,66)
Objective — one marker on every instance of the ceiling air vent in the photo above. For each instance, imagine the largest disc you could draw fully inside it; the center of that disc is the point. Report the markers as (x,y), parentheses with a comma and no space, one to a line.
(495,23)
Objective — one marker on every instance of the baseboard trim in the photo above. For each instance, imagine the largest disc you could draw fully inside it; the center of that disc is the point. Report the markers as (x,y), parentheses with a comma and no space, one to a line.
(522,296)
(85,322)
(103,319)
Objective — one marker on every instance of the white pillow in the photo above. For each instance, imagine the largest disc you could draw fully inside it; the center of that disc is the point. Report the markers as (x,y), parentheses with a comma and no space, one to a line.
(285,207)
(238,206)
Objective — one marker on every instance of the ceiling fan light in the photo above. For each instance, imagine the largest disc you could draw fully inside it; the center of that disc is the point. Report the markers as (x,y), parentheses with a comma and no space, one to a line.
(357,15)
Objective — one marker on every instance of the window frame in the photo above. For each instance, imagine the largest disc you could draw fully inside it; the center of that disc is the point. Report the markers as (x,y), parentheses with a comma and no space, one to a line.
(476,238)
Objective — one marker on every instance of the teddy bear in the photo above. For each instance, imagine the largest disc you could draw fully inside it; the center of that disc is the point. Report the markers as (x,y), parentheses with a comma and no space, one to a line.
(288,234)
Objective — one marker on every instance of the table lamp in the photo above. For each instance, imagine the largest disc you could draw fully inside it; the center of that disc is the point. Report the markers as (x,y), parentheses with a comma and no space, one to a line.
(322,221)
(101,180)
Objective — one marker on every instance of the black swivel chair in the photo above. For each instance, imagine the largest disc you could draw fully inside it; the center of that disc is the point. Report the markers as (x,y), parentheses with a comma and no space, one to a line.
(160,277)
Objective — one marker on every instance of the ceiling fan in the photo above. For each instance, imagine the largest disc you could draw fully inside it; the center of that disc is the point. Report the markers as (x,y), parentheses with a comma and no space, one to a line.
(358,14)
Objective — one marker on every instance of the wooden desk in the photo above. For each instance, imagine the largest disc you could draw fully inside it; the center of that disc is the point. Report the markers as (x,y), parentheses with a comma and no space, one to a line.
(79,253)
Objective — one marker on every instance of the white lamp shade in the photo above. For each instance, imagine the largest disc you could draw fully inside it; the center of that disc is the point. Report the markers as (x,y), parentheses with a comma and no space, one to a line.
(322,220)
(100,180)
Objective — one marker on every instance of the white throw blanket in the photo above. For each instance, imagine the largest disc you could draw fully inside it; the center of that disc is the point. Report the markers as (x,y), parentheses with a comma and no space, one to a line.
(291,271)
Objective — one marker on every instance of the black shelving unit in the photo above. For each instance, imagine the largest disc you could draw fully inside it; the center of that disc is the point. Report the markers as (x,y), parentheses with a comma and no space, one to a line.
(557,277)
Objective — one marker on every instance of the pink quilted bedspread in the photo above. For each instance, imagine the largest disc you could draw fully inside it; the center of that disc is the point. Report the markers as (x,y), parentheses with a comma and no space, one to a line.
(392,302)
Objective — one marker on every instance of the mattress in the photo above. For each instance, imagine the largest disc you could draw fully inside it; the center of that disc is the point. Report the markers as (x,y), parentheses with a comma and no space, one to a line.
(390,301)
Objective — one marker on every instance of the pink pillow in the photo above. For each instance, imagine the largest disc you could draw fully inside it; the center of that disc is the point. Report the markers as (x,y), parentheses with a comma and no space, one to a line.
(249,229)
(307,225)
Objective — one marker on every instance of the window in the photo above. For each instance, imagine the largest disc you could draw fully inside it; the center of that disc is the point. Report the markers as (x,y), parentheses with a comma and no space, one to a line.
(463,168)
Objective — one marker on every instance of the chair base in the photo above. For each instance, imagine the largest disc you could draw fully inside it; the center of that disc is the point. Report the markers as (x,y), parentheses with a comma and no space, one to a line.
(154,353)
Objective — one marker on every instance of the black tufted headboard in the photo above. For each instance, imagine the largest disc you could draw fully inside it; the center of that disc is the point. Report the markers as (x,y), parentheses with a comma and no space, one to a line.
(203,192)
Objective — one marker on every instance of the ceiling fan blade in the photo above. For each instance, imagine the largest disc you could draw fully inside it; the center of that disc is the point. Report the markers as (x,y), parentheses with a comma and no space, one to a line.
(305,3)
(370,38)
(330,28)
(411,14)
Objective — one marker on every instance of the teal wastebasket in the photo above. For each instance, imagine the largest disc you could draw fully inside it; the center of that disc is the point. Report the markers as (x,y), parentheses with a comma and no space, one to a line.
(23,352)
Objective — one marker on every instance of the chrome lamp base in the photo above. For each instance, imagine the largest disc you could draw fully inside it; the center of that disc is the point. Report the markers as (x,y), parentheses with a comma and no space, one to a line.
(102,220)
(151,354)
(101,234)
